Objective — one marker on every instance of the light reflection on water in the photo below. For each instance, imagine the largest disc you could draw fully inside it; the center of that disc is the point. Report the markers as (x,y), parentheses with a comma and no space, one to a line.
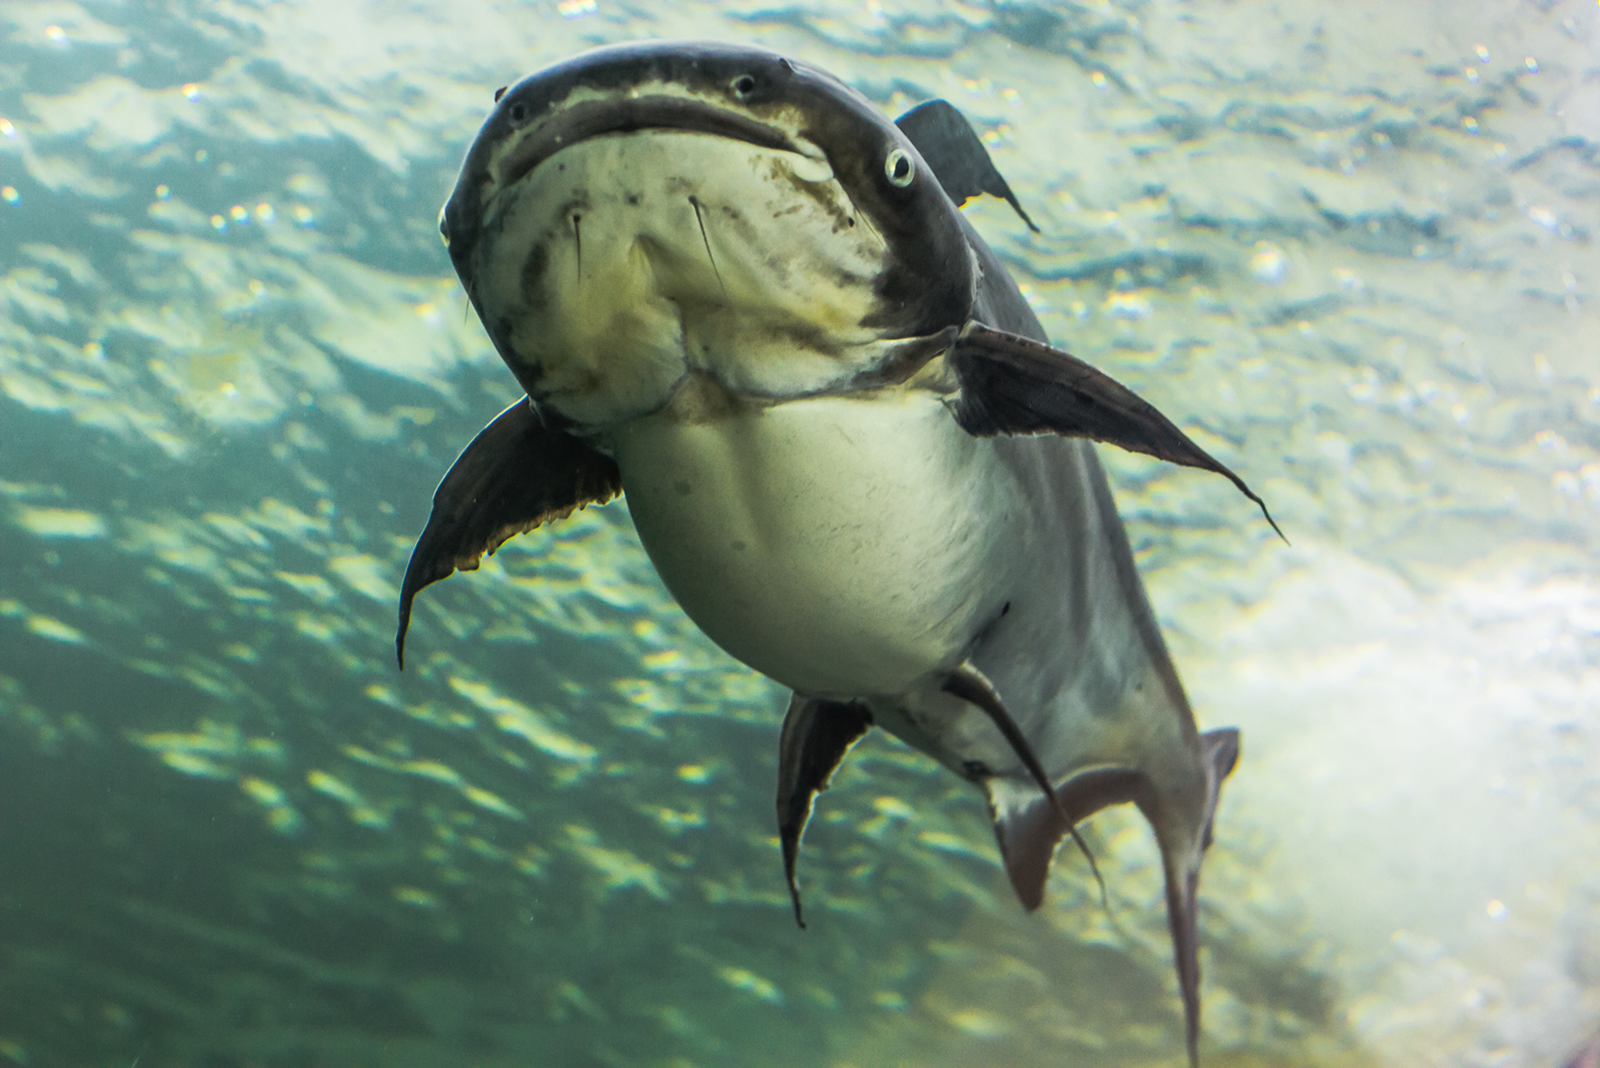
(1350,249)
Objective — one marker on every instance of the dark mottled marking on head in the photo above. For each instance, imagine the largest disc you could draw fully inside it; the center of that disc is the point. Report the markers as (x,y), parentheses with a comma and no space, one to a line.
(926,280)
(820,192)
(533,272)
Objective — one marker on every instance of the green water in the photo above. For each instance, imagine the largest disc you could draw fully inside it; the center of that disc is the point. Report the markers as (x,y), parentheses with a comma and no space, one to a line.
(1349,247)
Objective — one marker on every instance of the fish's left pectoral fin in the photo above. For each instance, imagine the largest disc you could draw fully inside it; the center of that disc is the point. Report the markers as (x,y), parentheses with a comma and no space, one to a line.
(1183,838)
(816,736)
(1015,385)
(516,475)
(954,150)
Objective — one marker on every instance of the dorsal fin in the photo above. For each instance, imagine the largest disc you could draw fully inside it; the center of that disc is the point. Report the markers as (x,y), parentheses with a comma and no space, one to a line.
(956,154)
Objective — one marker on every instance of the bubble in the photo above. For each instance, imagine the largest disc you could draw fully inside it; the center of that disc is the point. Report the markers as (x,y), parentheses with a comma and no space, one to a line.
(1269,263)
(7,130)
(218,223)
(1099,79)
(191,92)
(1532,64)
(163,193)
(55,33)
(1483,54)
(9,194)
(264,212)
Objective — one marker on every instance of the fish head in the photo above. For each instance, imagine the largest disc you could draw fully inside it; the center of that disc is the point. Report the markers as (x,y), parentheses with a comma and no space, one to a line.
(647,214)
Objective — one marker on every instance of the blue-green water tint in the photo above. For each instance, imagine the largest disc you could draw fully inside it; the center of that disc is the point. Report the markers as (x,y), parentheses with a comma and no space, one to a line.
(1351,250)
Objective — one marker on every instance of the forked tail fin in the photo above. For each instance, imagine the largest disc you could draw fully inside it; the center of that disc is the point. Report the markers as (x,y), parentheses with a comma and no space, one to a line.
(1029,830)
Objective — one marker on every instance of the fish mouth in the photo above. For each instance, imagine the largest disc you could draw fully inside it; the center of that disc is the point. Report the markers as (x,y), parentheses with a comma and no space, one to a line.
(594,118)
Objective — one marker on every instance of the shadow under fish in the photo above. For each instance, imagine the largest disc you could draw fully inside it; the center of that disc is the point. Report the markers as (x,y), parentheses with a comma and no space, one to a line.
(737,293)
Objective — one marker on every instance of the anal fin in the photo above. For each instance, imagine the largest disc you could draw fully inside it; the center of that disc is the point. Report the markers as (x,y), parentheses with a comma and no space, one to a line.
(816,736)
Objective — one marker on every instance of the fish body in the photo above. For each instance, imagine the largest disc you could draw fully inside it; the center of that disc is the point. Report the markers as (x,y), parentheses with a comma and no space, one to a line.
(735,292)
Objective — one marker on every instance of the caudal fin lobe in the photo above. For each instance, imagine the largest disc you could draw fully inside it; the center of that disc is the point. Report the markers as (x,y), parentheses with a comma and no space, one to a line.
(1181,853)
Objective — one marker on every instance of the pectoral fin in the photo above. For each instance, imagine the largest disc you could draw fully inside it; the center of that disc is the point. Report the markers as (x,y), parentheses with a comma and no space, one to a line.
(816,736)
(956,154)
(516,475)
(1014,385)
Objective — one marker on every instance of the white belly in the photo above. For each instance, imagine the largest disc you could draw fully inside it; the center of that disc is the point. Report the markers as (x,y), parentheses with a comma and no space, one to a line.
(844,546)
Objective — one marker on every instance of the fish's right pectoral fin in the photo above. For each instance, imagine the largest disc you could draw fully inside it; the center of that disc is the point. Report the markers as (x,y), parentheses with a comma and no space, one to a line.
(1015,385)
(517,474)
(816,736)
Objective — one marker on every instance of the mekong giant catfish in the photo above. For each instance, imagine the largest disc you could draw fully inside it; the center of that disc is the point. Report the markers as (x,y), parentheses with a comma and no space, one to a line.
(738,294)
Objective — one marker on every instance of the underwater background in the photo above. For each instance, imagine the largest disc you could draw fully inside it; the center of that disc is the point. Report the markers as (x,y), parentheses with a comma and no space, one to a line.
(1349,247)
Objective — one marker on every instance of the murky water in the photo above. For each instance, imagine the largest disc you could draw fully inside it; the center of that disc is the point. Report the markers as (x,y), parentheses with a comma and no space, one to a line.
(1349,247)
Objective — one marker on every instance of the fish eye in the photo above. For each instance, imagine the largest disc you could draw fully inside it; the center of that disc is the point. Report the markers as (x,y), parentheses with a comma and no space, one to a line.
(899,168)
(743,86)
(518,113)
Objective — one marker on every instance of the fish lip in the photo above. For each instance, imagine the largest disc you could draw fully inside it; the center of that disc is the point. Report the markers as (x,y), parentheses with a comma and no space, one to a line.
(594,118)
